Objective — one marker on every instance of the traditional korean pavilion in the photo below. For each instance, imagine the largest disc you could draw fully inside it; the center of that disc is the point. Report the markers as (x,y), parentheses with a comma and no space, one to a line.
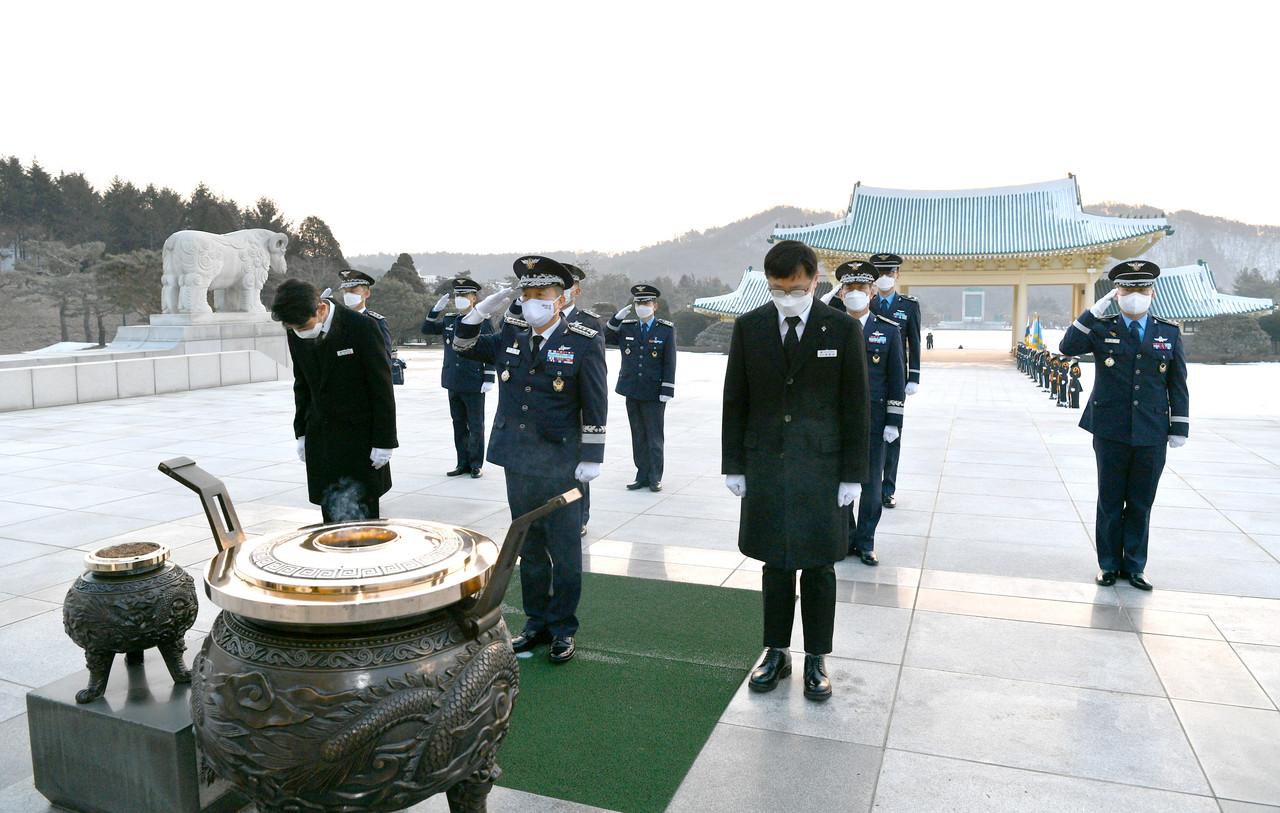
(1036,234)
(1187,294)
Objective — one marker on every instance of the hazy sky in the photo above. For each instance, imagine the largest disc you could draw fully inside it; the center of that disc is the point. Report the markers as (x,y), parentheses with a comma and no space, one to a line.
(509,127)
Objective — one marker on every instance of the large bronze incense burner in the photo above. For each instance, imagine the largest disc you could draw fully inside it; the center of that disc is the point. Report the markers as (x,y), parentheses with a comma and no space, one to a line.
(356,666)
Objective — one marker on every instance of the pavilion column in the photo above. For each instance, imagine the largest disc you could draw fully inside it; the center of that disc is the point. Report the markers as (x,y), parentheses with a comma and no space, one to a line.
(1019,312)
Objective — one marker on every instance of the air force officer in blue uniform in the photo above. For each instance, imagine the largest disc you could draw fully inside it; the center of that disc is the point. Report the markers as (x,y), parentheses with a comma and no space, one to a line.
(647,379)
(467,381)
(1138,406)
(905,310)
(886,388)
(548,435)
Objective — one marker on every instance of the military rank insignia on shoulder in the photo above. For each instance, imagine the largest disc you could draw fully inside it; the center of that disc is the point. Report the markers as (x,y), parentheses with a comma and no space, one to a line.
(908,297)
(666,322)
(515,320)
(586,312)
(582,330)
(374,314)
(1164,321)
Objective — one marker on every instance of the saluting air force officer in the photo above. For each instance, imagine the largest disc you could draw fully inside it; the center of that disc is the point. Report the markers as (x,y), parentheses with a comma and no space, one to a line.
(647,379)
(1138,404)
(467,381)
(548,434)
(905,310)
(886,383)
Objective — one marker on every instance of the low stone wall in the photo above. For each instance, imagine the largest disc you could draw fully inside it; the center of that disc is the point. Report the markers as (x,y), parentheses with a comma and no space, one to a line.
(41,385)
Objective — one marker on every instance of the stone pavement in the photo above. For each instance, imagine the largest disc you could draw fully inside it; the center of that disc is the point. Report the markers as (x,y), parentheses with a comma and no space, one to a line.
(977,669)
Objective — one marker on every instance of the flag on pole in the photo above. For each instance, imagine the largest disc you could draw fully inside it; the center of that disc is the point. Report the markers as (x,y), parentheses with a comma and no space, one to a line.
(1037,337)
(1026,334)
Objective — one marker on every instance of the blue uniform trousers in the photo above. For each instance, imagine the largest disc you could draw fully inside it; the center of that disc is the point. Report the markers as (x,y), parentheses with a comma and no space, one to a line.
(865,516)
(646,418)
(467,411)
(551,557)
(817,606)
(891,454)
(1127,480)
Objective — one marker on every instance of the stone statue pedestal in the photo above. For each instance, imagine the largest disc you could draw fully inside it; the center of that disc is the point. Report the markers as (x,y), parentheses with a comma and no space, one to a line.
(186,334)
(132,749)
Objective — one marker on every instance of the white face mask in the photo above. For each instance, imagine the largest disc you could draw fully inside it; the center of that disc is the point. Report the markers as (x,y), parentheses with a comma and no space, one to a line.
(856,301)
(644,312)
(309,334)
(538,312)
(461,303)
(352,300)
(790,304)
(1135,303)
(885,284)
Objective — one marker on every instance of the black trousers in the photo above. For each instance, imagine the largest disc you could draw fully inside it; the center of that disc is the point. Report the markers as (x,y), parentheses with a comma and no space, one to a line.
(817,607)
(891,453)
(865,516)
(647,441)
(551,557)
(1127,481)
(467,411)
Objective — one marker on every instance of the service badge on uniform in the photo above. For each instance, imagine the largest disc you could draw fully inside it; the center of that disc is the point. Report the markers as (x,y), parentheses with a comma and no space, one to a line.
(875,359)
(1163,366)
(558,384)
(1110,362)
(506,375)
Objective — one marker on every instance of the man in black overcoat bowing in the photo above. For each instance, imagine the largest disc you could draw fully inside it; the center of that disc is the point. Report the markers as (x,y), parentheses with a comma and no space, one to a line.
(344,403)
(795,447)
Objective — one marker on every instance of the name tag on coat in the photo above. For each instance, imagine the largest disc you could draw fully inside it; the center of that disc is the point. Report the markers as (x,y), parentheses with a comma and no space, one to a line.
(348,351)
(1111,341)
(515,351)
(827,354)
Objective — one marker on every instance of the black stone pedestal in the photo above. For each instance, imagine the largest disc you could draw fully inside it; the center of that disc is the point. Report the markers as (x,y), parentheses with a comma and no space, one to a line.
(130,751)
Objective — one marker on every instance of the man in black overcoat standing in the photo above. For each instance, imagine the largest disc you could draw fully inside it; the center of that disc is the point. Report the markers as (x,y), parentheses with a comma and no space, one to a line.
(344,402)
(795,448)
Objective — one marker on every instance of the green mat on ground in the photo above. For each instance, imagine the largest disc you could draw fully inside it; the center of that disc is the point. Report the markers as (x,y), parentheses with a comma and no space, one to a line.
(619,725)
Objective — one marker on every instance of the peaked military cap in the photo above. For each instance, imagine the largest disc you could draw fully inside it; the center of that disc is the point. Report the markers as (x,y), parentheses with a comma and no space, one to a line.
(465,285)
(578,274)
(885,263)
(644,293)
(352,279)
(852,273)
(1134,273)
(541,272)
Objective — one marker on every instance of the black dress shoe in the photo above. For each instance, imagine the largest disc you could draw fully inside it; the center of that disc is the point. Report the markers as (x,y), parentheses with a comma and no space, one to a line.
(776,665)
(457,471)
(1139,581)
(655,486)
(527,640)
(562,649)
(476,474)
(868,557)
(1105,578)
(636,486)
(889,501)
(817,686)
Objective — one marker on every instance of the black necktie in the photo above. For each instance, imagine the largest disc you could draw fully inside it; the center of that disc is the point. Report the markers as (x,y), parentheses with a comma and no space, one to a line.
(644,331)
(1135,332)
(537,345)
(791,344)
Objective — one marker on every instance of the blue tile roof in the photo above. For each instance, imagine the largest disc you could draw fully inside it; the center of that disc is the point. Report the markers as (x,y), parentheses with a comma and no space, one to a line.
(1189,292)
(752,292)
(1028,219)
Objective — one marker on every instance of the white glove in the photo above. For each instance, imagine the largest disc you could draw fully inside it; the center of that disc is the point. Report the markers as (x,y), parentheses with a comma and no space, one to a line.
(1175,441)
(586,472)
(486,386)
(1099,308)
(912,388)
(830,295)
(493,304)
(302,448)
(440,303)
(380,457)
(847,493)
(326,293)
(617,317)
(737,483)
(891,434)
(664,398)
